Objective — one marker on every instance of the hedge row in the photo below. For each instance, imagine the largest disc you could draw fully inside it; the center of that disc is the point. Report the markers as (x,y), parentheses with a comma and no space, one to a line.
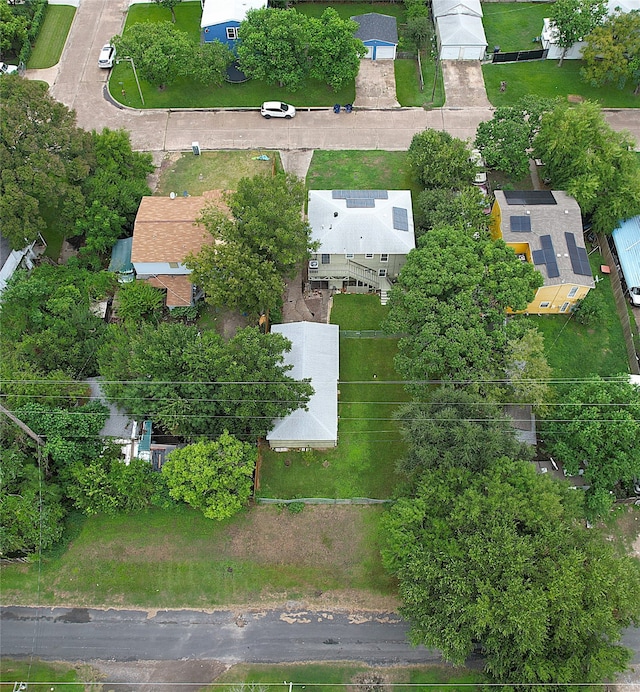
(33,31)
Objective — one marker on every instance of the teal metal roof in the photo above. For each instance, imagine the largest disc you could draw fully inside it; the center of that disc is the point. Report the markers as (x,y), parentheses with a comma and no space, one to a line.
(627,240)
(121,256)
(145,439)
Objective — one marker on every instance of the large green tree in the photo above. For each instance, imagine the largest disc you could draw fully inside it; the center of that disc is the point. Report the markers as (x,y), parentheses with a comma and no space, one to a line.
(215,477)
(160,51)
(47,323)
(439,160)
(505,140)
(263,242)
(597,427)
(450,300)
(274,47)
(499,560)
(335,52)
(192,383)
(454,429)
(612,52)
(13,31)
(463,209)
(592,162)
(574,20)
(44,160)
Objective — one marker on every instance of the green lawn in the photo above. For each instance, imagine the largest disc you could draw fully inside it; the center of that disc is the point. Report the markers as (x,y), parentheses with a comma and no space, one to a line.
(178,557)
(361,170)
(333,677)
(32,672)
(52,36)
(363,463)
(545,78)
(351,9)
(514,25)
(576,351)
(187,93)
(213,170)
(408,85)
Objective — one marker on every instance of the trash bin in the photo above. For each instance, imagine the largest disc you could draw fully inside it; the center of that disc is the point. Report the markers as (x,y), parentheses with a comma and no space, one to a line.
(336,108)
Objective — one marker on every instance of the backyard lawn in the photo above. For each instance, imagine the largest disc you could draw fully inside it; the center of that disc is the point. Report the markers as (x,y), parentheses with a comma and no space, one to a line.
(52,36)
(513,25)
(363,463)
(178,557)
(576,351)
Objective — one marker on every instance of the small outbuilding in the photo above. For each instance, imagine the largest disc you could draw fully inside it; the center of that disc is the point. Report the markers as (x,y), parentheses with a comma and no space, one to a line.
(442,8)
(460,37)
(379,33)
(314,354)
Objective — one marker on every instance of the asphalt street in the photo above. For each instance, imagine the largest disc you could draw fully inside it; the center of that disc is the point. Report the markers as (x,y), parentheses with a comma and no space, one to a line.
(72,634)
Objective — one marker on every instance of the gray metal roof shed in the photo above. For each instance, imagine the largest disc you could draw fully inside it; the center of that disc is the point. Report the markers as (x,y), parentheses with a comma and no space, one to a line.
(314,354)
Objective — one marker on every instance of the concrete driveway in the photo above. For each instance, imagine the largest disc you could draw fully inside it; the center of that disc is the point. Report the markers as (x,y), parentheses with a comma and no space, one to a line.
(376,85)
(464,84)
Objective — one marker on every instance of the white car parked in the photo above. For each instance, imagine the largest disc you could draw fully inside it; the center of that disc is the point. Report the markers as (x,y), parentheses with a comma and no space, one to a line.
(7,69)
(277,109)
(107,56)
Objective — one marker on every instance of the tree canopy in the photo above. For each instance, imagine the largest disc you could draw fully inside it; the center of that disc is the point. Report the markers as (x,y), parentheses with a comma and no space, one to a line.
(192,383)
(454,429)
(47,322)
(450,300)
(462,209)
(498,560)
(506,139)
(596,426)
(574,20)
(262,243)
(593,163)
(439,160)
(215,477)
(285,47)
(612,52)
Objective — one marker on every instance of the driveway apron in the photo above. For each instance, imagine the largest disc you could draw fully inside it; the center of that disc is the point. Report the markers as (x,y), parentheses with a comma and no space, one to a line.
(376,85)
(464,84)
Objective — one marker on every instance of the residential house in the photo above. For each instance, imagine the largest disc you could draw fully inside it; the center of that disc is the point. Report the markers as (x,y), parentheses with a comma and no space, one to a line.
(364,237)
(549,35)
(11,259)
(166,230)
(314,354)
(220,20)
(545,228)
(379,33)
(626,238)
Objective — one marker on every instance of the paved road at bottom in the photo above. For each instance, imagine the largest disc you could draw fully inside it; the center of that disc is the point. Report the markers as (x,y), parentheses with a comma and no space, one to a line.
(72,634)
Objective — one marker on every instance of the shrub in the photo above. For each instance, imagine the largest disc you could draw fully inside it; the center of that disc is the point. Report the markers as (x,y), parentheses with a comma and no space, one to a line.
(590,309)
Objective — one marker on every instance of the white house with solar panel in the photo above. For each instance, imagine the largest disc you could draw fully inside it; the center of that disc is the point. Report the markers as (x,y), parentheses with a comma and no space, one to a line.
(545,228)
(364,237)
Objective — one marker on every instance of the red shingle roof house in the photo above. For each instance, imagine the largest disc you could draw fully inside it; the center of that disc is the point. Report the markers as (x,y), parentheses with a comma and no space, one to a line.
(166,231)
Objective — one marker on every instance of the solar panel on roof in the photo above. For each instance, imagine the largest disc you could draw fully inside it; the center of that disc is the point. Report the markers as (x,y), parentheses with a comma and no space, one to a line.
(400,219)
(529,197)
(360,203)
(578,255)
(520,224)
(538,256)
(552,269)
(546,243)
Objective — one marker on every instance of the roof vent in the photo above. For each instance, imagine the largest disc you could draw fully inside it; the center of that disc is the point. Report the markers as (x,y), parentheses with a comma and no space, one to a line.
(335,213)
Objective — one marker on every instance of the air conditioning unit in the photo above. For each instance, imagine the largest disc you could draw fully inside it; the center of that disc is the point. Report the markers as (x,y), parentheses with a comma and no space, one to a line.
(313,264)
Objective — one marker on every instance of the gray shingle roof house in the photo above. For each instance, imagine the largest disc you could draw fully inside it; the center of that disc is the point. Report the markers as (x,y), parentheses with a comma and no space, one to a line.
(314,354)
(379,33)
(364,237)
(544,227)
